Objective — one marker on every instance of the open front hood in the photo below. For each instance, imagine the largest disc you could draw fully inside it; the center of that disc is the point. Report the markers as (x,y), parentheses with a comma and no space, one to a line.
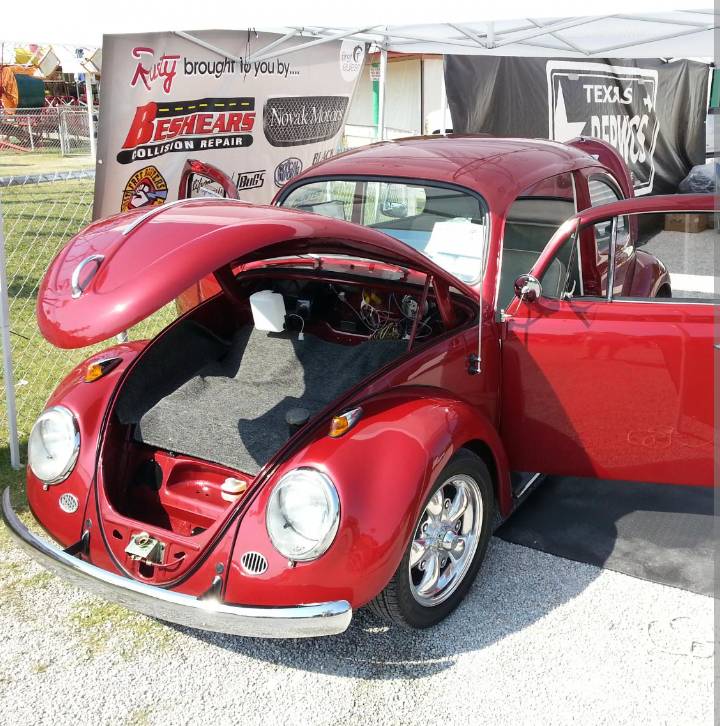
(119,270)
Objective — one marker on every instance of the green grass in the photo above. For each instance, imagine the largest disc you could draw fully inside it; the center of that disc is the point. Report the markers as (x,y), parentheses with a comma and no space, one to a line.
(41,162)
(99,622)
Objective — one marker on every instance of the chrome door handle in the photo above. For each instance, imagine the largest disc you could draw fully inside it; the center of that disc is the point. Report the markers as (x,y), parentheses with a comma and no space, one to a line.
(77,289)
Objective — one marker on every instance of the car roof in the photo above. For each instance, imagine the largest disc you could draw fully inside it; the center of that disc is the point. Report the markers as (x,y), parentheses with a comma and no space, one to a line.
(489,165)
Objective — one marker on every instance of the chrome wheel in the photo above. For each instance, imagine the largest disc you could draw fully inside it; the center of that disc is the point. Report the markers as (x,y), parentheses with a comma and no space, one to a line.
(445,540)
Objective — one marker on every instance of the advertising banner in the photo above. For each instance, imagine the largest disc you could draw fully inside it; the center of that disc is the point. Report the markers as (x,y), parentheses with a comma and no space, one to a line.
(166,100)
(652,112)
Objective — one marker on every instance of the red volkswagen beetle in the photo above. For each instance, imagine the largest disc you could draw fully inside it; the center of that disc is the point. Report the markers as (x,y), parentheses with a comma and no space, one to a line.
(381,367)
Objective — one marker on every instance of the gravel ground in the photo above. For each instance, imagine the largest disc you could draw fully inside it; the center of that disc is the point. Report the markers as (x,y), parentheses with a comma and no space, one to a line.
(539,640)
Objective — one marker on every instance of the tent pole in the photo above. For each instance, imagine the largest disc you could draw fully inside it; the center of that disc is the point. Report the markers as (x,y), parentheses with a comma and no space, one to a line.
(8,374)
(443,102)
(669,36)
(261,56)
(422,96)
(206,45)
(91,120)
(381,92)
(470,34)
(547,29)
(276,43)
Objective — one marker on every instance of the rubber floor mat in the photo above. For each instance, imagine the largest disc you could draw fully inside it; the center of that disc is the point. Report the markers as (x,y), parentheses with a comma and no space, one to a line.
(657,532)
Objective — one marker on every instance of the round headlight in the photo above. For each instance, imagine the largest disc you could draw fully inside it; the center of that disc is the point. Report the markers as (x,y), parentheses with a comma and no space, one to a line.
(303,514)
(53,445)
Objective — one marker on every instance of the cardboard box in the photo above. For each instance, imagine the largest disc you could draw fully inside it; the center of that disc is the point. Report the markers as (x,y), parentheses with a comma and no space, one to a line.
(691,223)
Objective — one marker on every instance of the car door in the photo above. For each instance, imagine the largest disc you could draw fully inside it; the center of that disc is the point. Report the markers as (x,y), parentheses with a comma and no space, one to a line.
(609,387)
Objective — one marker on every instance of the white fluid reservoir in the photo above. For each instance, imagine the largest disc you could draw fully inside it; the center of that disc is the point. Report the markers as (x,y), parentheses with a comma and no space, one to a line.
(268,311)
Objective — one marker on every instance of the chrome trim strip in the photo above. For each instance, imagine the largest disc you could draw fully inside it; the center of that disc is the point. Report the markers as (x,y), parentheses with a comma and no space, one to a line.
(663,300)
(151,213)
(156,210)
(301,621)
(529,483)
(75,277)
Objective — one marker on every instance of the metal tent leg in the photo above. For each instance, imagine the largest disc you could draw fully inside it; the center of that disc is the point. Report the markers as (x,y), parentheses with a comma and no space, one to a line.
(7,356)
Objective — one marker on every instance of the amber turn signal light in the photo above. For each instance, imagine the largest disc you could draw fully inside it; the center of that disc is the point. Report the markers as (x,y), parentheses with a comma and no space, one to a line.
(100,368)
(344,422)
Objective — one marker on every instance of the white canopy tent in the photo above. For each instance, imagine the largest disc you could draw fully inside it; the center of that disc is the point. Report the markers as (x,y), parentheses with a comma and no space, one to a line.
(679,33)
(638,27)
(610,28)
(655,35)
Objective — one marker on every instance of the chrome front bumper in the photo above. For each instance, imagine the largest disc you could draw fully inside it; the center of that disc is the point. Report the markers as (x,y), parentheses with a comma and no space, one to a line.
(302,621)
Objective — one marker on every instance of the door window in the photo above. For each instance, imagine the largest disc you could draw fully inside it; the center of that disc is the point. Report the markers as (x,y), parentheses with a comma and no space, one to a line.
(584,260)
(674,259)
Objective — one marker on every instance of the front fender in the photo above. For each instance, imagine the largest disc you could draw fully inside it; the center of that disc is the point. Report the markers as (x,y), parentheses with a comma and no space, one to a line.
(383,470)
(88,401)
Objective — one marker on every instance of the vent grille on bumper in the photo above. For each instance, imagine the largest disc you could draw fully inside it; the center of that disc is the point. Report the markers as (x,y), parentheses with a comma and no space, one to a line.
(297,120)
(68,503)
(253,563)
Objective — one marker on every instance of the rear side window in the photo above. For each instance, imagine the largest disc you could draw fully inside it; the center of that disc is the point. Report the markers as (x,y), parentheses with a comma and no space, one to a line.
(602,193)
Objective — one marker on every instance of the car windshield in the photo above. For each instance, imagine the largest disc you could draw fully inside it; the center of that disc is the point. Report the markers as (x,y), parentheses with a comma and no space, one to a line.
(446,224)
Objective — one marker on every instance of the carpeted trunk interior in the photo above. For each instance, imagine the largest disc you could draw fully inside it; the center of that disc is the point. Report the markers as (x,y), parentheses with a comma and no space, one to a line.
(230,406)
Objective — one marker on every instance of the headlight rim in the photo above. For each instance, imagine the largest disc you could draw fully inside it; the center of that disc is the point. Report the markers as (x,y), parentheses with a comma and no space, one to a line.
(324,544)
(70,465)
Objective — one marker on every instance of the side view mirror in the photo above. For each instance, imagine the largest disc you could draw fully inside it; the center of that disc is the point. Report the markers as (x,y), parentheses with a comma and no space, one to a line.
(528,288)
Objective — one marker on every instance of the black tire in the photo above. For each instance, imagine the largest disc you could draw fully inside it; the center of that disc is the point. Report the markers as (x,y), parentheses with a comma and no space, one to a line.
(396,603)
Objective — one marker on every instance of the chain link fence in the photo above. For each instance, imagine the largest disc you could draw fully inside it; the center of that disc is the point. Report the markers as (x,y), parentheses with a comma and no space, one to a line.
(41,211)
(60,131)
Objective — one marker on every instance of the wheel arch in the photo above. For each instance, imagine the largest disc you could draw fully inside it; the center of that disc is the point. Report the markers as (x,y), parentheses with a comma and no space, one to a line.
(482,450)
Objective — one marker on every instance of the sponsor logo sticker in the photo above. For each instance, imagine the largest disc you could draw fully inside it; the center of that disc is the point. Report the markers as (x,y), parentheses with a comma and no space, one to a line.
(152,69)
(297,120)
(145,188)
(160,128)
(149,70)
(319,156)
(612,103)
(203,186)
(352,55)
(249,179)
(286,170)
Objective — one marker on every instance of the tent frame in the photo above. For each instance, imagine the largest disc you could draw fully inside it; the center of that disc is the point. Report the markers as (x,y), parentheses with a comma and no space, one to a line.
(529,32)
